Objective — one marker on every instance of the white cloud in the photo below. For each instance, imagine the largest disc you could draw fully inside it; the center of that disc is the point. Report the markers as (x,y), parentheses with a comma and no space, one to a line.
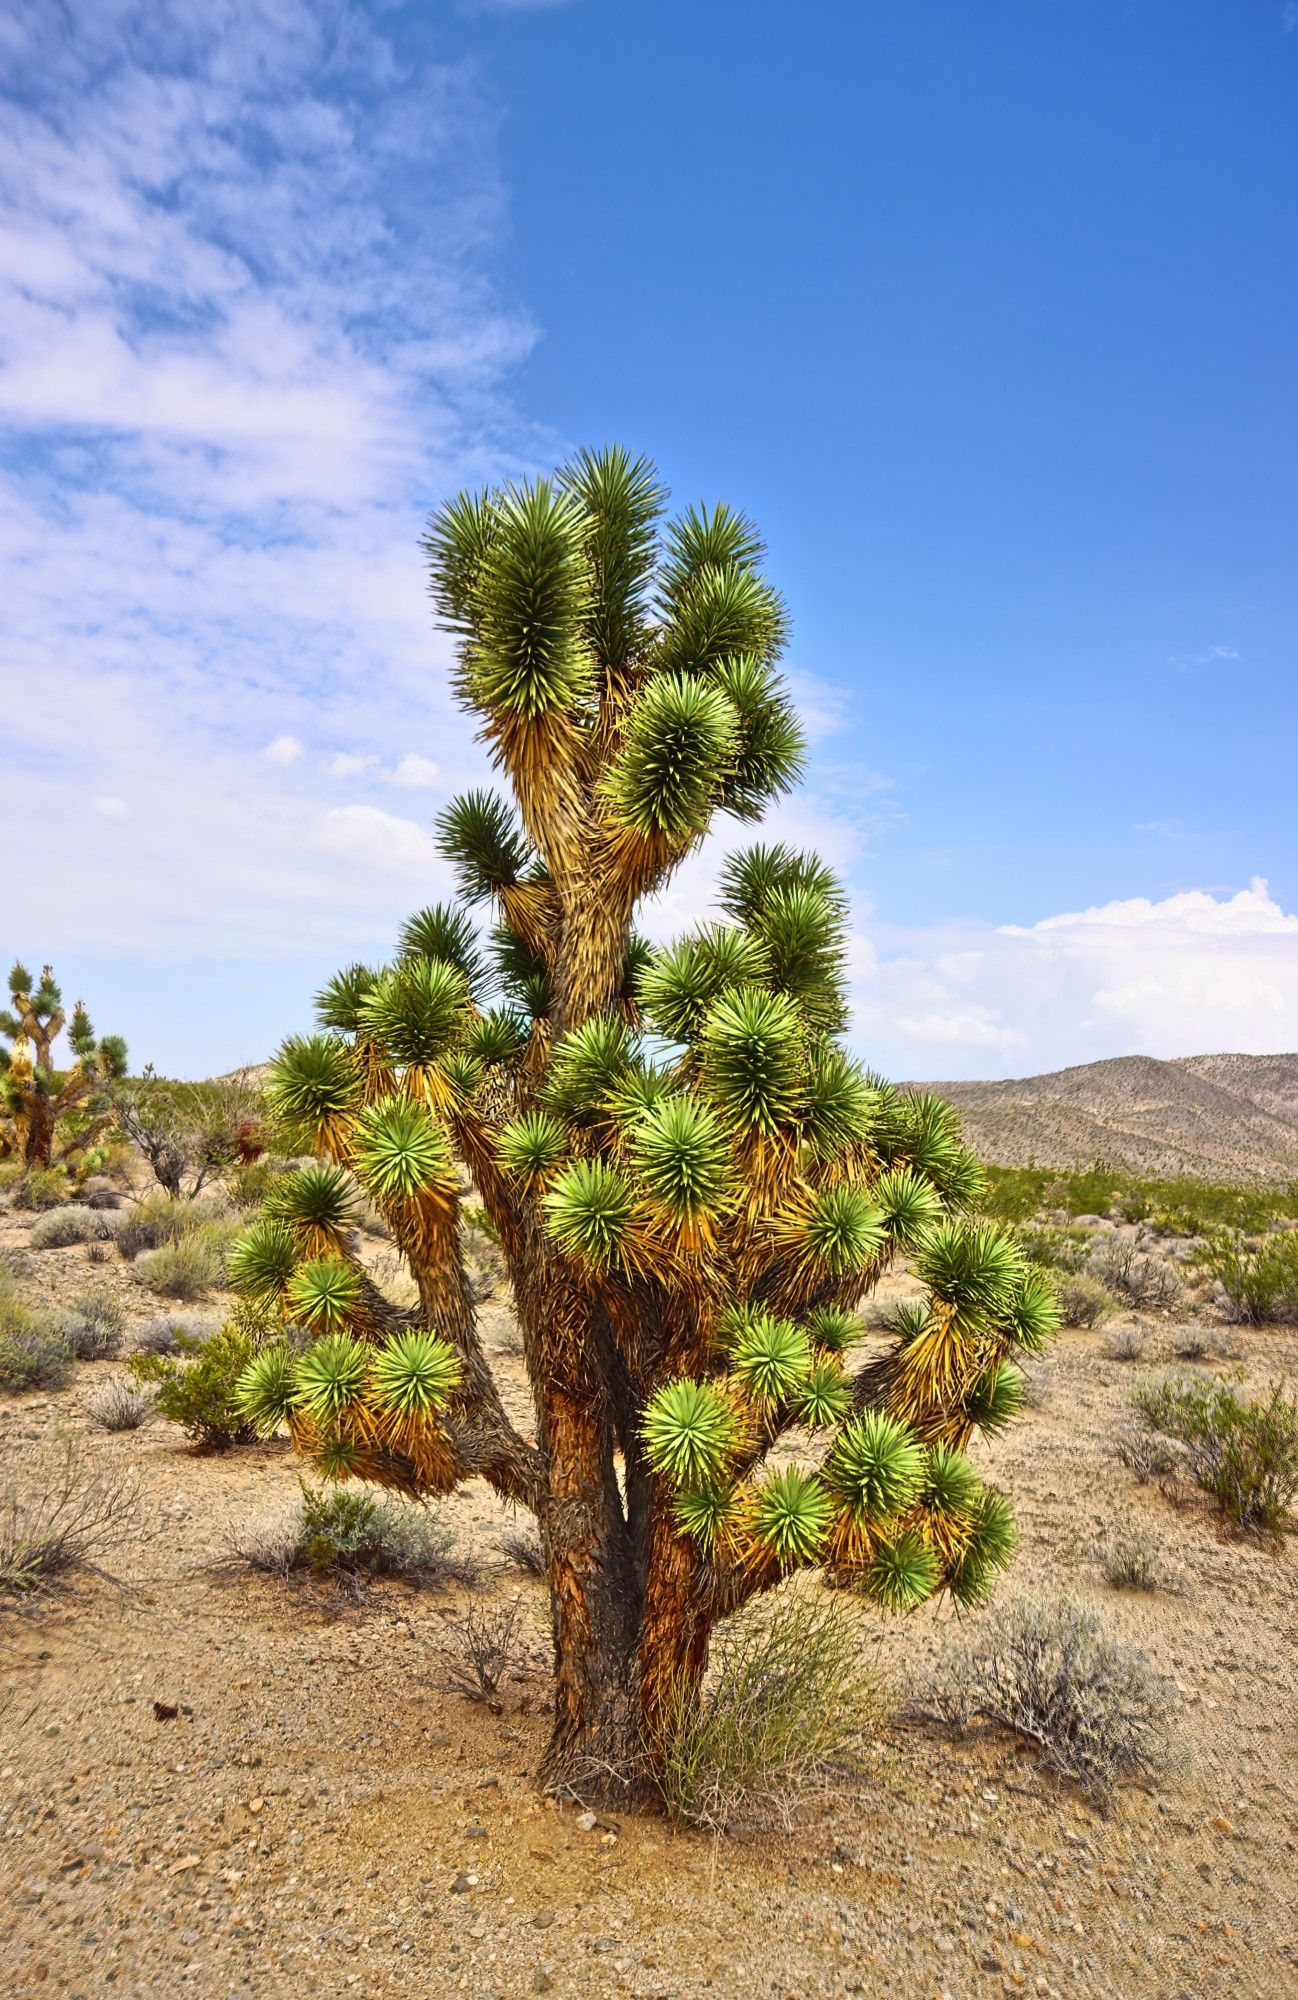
(1194,972)
(414,774)
(377,840)
(108,806)
(247,338)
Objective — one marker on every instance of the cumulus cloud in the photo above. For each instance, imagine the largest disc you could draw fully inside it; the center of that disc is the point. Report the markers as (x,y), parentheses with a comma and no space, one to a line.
(285,750)
(414,774)
(1196,971)
(108,806)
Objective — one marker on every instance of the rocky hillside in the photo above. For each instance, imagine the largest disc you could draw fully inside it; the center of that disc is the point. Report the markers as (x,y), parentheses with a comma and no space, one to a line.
(1226,1117)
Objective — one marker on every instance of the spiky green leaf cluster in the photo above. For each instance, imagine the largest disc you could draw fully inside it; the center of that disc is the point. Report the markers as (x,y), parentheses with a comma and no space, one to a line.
(587,1208)
(792,1515)
(418,1011)
(400,1149)
(415,1374)
(876,1467)
(682,1158)
(688,1431)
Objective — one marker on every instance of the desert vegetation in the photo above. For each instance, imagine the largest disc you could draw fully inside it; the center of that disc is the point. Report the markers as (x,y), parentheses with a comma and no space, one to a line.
(36,1099)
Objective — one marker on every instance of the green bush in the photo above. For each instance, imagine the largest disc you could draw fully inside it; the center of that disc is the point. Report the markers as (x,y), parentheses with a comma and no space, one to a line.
(1083,1300)
(1053,1247)
(1183,1204)
(349,1535)
(44,1187)
(1245,1454)
(193,1263)
(155,1221)
(1260,1280)
(196,1387)
(786,1712)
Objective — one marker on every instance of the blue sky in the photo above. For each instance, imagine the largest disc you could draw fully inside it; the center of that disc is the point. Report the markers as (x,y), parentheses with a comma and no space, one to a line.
(988,314)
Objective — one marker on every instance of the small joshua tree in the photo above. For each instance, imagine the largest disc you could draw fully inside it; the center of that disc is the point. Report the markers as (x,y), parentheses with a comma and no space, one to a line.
(692,1181)
(33,1094)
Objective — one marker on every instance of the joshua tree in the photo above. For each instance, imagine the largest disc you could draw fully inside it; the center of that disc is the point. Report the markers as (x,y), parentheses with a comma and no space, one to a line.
(33,1094)
(692,1181)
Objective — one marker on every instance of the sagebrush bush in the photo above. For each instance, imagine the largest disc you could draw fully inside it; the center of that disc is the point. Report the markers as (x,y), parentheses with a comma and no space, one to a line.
(33,1355)
(163,1335)
(1243,1453)
(1083,1300)
(786,1711)
(1048,1672)
(483,1651)
(54,1519)
(348,1535)
(1148,1457)
(92,1328)
(195,1388)
(1128,1344)
(60,1227)
(116,1406)
(523,1548)
(1260,1280)
(155,1220)
(190,1265)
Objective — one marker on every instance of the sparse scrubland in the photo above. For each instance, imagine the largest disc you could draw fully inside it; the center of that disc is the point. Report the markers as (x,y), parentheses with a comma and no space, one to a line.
(722,1574)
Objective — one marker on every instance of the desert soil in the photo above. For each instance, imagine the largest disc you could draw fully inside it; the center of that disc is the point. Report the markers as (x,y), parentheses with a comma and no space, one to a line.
(322,1817)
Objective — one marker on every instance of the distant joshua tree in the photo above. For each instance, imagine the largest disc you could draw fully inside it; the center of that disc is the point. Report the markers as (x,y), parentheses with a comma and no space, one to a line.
(33,1094)
(693,1183)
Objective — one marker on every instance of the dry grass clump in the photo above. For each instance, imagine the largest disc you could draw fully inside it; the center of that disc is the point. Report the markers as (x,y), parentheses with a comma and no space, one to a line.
(784,1715)
(349,1537)
(116,1406)
(1131,1562)
(191,1264)
(1128,1344)
(1095,1709)
(54,1523)
(1243,1453)
(522,1547)
(59,1228)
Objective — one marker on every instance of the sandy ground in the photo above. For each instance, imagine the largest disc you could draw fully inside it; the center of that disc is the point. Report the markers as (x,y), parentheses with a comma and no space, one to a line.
(322,1817)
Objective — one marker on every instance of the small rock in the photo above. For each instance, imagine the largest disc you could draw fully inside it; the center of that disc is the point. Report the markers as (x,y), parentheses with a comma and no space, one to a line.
(587,1822)
(462,1884)
(1222,1825)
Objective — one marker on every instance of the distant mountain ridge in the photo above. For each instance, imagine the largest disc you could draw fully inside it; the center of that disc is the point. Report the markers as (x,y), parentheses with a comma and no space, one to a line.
(1224,1117)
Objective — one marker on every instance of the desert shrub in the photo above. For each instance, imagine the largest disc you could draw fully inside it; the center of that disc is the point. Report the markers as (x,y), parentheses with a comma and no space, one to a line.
(155,1220)
(192,1264)
(348,1536)
(1147,1281)
(45,1187)
(484,1651)
(195,1387)
(33,1354)
(786,1711)
(1131,1562)
(92,1327)
(188,1133)
(1149,1458)
(60,1227)
(1260,1281)
(1128,1344)
(249,1185)
(523,1548)
(116,1406)
(1083,1300)
(1054,1247)
(55,1520)
(1048,1672)
(163,1335)
(1245,1454)
(1184,1204)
